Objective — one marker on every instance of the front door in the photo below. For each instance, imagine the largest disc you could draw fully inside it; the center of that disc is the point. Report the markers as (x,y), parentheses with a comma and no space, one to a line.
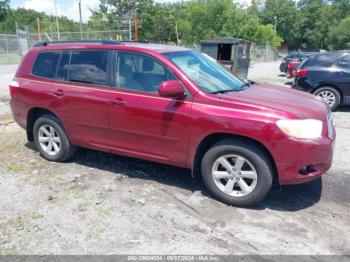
(143,124)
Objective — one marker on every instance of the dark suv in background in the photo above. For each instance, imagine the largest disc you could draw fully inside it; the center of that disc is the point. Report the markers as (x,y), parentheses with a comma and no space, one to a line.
(295,57)
(326,75)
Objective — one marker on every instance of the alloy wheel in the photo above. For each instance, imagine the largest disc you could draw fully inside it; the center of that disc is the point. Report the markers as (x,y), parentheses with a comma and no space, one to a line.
(49,139)
(234,175)
(328,97)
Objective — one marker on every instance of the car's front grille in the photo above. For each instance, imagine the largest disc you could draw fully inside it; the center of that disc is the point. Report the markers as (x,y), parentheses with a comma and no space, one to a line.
(330,125)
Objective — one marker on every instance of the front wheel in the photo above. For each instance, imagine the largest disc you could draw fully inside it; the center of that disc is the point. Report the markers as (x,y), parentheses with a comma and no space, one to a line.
(237,172)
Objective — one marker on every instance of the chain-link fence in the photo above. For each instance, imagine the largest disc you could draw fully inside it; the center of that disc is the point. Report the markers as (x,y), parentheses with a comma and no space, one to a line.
(9,49)
(85,35)
(14,46)
(262,53)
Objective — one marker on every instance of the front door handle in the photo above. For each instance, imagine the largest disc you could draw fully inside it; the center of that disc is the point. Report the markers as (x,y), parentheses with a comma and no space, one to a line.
(118,102)
(59,92)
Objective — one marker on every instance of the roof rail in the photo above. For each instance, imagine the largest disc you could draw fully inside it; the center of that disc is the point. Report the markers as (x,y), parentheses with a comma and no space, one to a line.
(103,42)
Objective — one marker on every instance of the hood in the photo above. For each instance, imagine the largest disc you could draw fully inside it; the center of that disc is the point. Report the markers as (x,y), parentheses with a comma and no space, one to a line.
(278,98)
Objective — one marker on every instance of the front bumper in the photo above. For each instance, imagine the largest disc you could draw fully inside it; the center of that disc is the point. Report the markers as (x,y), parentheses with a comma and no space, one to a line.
(316,155)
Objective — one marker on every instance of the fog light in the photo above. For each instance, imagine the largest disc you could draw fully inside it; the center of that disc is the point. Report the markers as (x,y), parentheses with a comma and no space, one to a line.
(307,169)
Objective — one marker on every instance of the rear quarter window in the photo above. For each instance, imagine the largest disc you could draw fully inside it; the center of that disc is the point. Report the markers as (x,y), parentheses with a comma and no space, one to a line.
(45,64)
(320,60)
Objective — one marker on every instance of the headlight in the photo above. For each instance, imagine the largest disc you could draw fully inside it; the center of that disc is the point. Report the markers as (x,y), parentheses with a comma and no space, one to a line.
(301,128)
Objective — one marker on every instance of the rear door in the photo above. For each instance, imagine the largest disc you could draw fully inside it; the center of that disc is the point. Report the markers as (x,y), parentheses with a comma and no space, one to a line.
(82,96)
(142,123)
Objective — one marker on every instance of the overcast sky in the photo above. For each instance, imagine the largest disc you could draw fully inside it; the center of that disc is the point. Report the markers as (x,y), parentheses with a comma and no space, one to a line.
(69,8)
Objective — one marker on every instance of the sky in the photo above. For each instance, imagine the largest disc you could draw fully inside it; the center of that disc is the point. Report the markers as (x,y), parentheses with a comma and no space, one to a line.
(68,8)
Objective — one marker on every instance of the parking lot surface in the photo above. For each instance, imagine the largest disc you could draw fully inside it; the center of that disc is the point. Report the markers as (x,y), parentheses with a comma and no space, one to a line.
(101,203)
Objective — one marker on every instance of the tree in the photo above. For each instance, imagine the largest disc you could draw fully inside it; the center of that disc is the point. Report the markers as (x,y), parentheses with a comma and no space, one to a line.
(157,22)
(4,8)
(27,17)
(313,20)
(98,21)
(282,14)
(339,35)
(121,11)
(341,8)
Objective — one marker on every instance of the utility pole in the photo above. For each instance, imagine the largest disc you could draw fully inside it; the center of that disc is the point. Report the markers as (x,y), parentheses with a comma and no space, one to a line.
(130,36)
(39,28)
(81,22)
(276,20)
(177,33)
(136,29)
(57,26)
(18,40)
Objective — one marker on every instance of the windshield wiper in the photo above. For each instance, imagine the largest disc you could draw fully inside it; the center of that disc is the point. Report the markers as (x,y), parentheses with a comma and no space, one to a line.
(243,86)
(246,84)
(223,91)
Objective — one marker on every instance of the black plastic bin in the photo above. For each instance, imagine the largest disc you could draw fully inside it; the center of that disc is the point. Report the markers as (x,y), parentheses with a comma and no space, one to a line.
(233,53)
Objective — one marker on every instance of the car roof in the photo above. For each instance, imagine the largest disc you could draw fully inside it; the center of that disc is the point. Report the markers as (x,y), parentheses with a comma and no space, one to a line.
(107,44)
(301,53)
(325,59)
(160,48)
(335,54)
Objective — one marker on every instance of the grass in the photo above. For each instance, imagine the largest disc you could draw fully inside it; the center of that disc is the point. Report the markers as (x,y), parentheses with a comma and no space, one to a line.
(6,117)
(36,215)
(9,142)
(12,150)
(15,168)
(17,223)
(10,58)
(4,99)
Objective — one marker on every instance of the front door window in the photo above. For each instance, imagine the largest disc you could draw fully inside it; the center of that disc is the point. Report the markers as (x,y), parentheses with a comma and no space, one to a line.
(140,72)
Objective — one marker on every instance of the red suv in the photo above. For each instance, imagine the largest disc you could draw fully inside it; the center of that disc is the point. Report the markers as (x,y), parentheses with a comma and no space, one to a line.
(171,105)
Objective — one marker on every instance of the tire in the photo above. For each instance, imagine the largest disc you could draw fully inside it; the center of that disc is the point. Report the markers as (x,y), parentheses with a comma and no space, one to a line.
(332,92)
(42,139)
(255,159)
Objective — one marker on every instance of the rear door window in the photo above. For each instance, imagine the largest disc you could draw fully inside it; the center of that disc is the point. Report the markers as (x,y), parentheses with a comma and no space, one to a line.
(63,66)
(88,67)
(45,64)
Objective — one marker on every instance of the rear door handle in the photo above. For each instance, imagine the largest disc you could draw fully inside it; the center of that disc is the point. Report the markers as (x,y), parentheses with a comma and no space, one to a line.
(59,92)
(118,102)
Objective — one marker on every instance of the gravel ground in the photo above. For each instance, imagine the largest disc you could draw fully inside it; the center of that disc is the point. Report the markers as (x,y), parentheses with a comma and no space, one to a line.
(268,73)
(101,203)
(6,74)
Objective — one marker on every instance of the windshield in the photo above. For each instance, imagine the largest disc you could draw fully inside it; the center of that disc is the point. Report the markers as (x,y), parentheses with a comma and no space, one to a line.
(205,72)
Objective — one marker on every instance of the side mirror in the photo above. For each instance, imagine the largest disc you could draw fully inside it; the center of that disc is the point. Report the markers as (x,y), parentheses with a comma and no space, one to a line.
(171,88)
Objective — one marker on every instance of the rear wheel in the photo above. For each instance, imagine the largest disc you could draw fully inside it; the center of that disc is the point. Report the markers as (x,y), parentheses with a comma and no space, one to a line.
(330,95)
(237,172)
(51,140)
